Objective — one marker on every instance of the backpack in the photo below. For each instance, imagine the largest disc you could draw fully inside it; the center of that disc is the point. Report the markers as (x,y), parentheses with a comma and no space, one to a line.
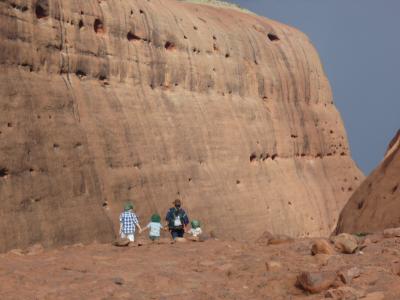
(176,220)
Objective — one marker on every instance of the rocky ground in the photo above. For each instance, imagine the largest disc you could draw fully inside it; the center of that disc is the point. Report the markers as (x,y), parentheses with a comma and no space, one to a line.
(271,268)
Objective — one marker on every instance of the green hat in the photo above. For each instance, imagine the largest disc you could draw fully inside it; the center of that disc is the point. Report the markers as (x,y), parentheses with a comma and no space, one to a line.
(195,224)
(128,206)
(156,218)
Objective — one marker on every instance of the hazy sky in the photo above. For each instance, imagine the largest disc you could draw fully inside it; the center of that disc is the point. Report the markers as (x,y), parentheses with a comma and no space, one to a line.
(359,45)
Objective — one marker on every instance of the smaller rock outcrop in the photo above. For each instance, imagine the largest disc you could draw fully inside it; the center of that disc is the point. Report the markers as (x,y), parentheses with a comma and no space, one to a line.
(375,205)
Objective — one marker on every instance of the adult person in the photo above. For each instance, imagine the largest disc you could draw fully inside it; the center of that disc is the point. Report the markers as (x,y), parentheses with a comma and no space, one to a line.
(177,220)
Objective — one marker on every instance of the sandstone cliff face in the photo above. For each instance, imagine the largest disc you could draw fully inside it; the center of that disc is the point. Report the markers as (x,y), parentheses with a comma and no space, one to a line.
(102,101)
(375,205)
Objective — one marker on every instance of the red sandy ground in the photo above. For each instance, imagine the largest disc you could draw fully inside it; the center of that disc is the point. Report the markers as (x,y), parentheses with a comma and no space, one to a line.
(213,269)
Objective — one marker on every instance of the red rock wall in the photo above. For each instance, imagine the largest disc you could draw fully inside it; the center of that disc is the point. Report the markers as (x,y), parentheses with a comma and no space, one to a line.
(102,101)
(375,205)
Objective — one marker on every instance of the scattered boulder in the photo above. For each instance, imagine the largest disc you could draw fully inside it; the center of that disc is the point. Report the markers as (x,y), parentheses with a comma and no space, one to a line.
(345,293)
(268,238)
(375,296)
(35,249)
(118,280)
(391,232)
(272,266)
(180,240)
(396,268)
(322,247)
(280,239)
(121,242)
(316,282)
(348,275)
(345,243)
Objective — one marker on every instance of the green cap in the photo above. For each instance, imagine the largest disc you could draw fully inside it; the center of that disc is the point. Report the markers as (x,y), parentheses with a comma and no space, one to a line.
(195,224)
(156,218)
(128,206)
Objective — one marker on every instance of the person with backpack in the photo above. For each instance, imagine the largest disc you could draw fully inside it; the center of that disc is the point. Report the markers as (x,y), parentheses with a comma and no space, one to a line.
(177,220)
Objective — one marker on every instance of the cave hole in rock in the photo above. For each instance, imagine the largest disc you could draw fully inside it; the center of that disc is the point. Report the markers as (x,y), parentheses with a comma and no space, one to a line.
(185,37)
(274,156)
(80,24)
(141,11)
(394,189)
(189,179)
(98,26)
(42,9)
(238,181)
(215,47)
(253,157)
(227,55)
(195,28)
(81,12)
(350,189)
(343,154)
(9,124)
(289,203)
(105,204)
(31,170)
(273,37)
(102,77)
(56,146)
(3,172)
(360,204)
(214,38)
(169,45)
(80,73)
(132,37)
(294,136)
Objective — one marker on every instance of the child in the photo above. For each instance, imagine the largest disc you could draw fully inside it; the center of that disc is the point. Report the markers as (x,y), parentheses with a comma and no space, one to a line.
(195,231)
(155,227)
(127,222)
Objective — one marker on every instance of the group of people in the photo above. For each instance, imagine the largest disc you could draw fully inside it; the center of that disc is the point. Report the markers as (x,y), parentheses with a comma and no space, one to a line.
(177,222)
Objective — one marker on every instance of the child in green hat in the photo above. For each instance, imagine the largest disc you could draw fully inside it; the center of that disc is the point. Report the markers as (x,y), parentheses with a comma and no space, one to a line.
(155,227)
(195,231)
(128,221)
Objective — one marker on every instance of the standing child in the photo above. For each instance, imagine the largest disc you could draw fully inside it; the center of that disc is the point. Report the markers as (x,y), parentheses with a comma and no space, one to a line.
(128,221)
(155,227)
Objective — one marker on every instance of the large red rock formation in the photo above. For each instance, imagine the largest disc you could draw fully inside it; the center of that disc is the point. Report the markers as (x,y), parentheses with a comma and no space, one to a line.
(375,205)
(102,101)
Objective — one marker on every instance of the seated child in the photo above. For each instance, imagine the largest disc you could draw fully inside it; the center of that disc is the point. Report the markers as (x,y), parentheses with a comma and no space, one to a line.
(195,231)
(155,227)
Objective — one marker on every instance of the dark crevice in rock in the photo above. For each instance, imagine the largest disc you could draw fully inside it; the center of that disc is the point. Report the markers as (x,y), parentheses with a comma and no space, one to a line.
(81,74)
(273,37)
(169,45)
(98,26)
(80,24)
(394,189)
(42,9)
(253,157)
(274,156)
(3,172)
(132,37)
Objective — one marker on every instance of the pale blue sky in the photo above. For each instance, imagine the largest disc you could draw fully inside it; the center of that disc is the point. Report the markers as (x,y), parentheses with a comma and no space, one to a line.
(359,45)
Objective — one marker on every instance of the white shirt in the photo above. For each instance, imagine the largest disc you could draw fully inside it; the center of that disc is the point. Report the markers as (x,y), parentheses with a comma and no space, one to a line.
(195,231)
(155,228)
